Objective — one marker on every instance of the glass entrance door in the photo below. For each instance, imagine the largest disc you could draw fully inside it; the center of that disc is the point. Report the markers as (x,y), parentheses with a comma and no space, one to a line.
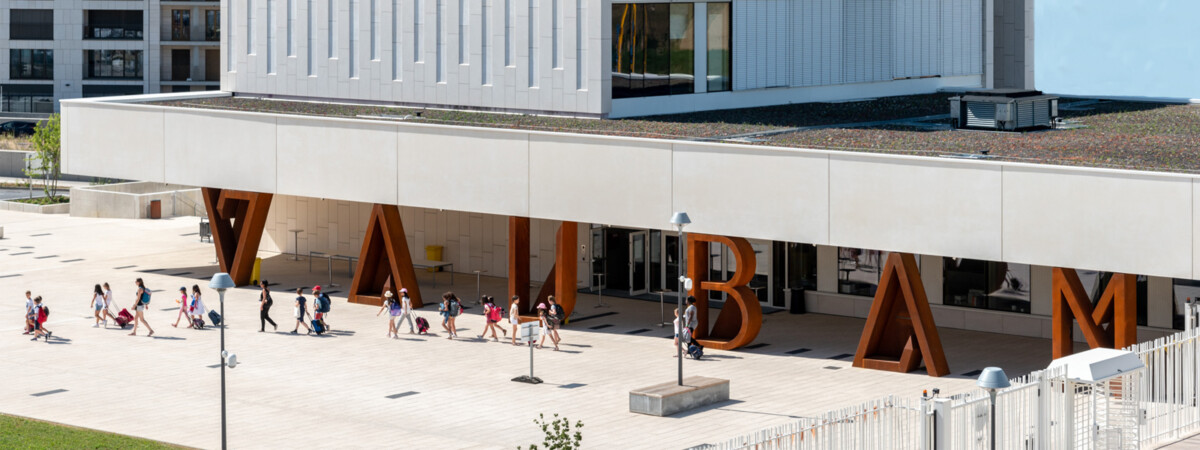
(639,279)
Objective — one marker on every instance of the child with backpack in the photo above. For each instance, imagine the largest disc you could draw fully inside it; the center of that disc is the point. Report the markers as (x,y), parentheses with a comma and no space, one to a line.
(143,302)
(454,308)
(493,315)
(321,306)
(300,311)
(393,308)
(38,316)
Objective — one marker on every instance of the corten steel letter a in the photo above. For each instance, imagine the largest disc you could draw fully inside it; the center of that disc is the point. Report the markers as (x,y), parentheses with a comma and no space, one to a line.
(900,331)
(741,319)
(1117,307)
(237,219)
(384,262)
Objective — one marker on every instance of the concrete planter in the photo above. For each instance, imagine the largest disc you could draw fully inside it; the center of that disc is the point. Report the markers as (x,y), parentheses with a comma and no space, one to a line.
(132,200)
(62,208)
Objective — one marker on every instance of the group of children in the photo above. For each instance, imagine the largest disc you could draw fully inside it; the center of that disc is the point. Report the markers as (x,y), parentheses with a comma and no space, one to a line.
(550,316)
(321,305)
(193,309)
(35,317)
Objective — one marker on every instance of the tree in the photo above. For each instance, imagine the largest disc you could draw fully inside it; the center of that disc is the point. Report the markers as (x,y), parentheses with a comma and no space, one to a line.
(47,150)
(558,434)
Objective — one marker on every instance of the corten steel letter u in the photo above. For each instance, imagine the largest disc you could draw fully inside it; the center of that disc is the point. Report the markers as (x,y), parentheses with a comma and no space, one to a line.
(741,319)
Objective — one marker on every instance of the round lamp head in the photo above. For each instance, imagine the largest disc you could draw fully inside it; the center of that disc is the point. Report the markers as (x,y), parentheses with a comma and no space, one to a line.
(221,281)
(680,218)
(993,378)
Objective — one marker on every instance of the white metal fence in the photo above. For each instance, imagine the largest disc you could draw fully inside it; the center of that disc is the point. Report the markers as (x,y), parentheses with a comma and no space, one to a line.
(1041,410)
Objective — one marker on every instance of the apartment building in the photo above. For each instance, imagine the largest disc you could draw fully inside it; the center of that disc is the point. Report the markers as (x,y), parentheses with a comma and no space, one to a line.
(61,49)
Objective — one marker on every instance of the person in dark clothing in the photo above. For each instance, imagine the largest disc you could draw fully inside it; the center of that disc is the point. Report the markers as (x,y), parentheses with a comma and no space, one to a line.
(264,308)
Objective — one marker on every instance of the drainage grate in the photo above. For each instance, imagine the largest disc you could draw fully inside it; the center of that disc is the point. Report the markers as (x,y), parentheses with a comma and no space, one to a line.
(402,394)
(19,253)
(832,367)
(10,275)
(797,351)
(572,386)
(973,373)
(190,234)
(600,327)
(150,270)
(56,391)
(124,267)
(44,257)
(758,345)
(73,260)
(40,234)
(214,366)
(842,356)
(581,319)
(638,331)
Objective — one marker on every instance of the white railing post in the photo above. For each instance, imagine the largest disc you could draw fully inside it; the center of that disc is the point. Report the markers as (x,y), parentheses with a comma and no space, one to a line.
(925,423)
(941,424)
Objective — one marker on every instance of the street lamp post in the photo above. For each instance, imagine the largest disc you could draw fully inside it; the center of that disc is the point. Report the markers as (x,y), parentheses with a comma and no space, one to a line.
(680,219)
(993,379)
(221,282)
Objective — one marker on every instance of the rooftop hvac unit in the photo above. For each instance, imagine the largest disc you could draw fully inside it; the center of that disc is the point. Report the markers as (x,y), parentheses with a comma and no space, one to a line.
(1004,109)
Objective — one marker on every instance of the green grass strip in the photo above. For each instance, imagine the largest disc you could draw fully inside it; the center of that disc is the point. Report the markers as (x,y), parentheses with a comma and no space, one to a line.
(22,433)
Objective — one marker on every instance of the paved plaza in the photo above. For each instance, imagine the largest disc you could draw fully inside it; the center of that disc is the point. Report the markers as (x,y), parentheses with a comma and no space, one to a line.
(355,389)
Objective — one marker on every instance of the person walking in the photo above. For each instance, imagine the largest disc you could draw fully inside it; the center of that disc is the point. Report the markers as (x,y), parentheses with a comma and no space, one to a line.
(492,314)
(143,302)
(108,305)
(455,308)
(393,308)
(405,311)
(264,309)
(554,318)
(514,315)
(675,354)
(98,305)
(300,311)
(197,308)
(544,319)
(29,303)
(321,306)
(185,307)
(444,311)
(38,315)
(689,315)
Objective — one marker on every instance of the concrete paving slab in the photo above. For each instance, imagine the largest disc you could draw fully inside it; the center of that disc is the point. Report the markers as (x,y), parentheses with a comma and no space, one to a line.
(340,390)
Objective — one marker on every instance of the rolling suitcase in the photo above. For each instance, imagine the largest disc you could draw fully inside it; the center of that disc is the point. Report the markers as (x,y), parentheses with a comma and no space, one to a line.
(123,318)
(317,327)
(215,317)
(198,323)
(422,325)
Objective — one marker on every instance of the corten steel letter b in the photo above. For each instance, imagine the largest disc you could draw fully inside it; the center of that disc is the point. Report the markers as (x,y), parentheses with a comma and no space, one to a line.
(740,320)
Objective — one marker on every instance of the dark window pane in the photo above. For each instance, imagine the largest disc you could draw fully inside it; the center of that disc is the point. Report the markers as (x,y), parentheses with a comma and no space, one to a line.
(112,24)
(29,98)
(657,56)
(212,25)
(720,60)
(108,90)
(986,284)
(113,64)
(31,24)
(25,64)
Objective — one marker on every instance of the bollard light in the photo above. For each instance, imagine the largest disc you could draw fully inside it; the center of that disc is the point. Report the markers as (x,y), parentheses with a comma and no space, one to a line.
(221,281)
(993,379)
(680,220)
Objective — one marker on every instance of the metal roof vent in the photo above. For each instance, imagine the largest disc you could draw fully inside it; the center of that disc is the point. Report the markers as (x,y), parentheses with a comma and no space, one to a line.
(1004,109)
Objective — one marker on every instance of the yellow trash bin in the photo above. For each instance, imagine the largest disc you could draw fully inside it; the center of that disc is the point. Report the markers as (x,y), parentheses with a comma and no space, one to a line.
(433,253)
(254,274)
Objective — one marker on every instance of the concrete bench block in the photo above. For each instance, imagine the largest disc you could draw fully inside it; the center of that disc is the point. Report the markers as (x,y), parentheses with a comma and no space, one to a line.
(671,398)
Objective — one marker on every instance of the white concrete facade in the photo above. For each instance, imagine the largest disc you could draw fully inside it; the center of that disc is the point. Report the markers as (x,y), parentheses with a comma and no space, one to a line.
(1060,216)
(554,56)
(70,78)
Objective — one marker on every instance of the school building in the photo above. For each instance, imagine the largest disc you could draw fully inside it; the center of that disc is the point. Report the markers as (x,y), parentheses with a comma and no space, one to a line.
(372,129)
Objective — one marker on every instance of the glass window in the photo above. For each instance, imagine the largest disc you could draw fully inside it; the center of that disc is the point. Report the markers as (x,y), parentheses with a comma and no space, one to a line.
(986,284)
(25,64)
(181,25)
(795,268)
(653,49)
(31,24)
(112,24)
(720,60)
(108,90)
(1183,289)
(113,64)
(212,25)
(859,270)
(27,98)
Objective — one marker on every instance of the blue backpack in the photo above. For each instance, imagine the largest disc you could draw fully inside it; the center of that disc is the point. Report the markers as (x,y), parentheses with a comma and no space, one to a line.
(323,303)
(145,296)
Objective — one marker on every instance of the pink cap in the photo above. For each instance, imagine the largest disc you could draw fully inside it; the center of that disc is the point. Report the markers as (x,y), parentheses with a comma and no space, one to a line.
(541,306)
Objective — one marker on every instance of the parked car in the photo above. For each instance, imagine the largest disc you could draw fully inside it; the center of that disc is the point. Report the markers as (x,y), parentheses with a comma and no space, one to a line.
(17,128)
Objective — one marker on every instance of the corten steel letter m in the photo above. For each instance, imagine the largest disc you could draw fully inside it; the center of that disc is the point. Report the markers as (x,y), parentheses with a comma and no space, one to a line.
(1117,306)
(741,319)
